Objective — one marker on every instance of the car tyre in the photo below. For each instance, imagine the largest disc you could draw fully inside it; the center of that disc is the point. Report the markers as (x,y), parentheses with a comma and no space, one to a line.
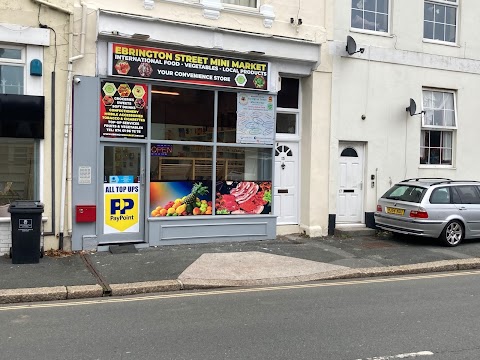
(453,233)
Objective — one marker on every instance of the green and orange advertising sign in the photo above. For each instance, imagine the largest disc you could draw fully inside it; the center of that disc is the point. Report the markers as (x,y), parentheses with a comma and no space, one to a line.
(185,67)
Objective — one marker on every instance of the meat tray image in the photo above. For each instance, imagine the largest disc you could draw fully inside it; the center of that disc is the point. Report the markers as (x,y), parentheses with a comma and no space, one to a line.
(244,197)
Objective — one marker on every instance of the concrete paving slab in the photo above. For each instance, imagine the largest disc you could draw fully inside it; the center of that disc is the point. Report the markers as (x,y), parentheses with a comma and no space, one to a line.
(252,266)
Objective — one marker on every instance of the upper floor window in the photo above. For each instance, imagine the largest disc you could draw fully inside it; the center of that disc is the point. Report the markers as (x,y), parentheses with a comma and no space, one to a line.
(440,20)
(248,3)
(12,69)
(438,127)
(370,15)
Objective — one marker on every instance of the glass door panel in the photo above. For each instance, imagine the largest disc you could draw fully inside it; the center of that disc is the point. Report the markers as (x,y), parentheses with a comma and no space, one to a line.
(122,194)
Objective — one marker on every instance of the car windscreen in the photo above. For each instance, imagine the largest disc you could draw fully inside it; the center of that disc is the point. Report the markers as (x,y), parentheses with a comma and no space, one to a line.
(409,193)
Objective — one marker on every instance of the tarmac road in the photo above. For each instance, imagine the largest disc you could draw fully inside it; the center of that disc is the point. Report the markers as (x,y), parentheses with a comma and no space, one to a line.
(429,316)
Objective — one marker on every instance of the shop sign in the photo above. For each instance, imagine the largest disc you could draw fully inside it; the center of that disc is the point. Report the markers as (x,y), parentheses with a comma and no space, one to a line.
(186,67)
(122,208)
(161,150)
(255,119)
(123,110)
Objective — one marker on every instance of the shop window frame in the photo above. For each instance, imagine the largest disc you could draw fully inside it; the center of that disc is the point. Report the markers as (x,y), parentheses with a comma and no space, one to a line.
(214,143)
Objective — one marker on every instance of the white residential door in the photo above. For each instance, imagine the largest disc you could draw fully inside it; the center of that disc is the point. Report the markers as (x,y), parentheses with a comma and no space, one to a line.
(350,183)
(285,188)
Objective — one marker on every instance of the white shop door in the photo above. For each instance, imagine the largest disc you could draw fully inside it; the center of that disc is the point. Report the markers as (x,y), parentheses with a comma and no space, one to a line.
(350,183)
(285,184)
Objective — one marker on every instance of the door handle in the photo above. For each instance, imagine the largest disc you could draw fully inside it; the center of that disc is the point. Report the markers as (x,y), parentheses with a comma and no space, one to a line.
(462,208)
(142,177)
(361,185)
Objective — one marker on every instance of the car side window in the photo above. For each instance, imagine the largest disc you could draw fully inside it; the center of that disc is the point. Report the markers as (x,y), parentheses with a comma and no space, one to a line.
(440,196)
(455,197)
(468,194)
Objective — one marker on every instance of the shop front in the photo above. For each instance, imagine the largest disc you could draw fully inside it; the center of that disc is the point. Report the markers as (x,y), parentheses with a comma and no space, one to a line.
(173,146)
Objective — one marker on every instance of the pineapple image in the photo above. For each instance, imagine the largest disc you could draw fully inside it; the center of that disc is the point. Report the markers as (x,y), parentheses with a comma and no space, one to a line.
(191,199)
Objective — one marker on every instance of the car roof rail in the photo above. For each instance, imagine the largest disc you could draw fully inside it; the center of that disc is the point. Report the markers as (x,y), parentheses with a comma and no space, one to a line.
(456,181)
(425,178)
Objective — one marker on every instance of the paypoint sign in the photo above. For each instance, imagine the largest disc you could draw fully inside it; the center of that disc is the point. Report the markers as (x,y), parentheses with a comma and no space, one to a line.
(122,208)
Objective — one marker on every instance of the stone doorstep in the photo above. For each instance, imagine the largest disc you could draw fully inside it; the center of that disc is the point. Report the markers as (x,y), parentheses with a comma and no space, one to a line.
(352,231)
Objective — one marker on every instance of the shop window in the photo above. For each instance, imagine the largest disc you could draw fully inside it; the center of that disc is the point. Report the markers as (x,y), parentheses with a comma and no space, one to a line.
(182,114)
(18,161)
(227,117)
(12,69)
(180,162)
(244,180)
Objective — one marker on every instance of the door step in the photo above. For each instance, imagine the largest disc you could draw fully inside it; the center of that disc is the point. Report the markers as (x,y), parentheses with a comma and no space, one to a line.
(122,249)
(353,230)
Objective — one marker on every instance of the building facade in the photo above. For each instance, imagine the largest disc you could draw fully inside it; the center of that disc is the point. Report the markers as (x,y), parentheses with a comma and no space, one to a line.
(419,50)
(169,122)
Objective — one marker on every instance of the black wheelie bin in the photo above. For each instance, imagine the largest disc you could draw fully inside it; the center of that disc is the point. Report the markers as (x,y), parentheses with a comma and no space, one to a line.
(26,221)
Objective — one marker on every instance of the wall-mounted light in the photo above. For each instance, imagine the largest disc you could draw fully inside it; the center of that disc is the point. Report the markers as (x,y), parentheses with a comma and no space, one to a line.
(174,93)
(297,22)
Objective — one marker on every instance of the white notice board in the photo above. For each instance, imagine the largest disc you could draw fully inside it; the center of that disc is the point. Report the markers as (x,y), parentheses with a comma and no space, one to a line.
(255,119)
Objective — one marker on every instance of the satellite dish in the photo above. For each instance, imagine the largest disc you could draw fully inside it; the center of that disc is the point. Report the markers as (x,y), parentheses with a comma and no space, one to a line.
(352,46)
(412,107)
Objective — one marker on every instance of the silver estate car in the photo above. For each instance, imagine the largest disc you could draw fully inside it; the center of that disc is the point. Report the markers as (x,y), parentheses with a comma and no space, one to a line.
(432,207)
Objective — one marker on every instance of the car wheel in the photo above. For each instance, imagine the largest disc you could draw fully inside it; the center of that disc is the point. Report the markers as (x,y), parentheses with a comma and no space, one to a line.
(453,233)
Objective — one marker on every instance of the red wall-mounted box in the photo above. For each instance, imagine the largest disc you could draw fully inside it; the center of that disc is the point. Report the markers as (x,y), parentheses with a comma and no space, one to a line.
(86,213)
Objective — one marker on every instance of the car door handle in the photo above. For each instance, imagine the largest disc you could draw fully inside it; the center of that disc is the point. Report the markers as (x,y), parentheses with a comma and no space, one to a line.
(462,208)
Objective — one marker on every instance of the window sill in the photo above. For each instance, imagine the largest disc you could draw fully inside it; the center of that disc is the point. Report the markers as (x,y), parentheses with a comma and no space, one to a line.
(369,32)
(437,42)
(445,167)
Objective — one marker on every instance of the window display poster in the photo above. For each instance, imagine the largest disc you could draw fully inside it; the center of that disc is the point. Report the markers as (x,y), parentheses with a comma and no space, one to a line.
(243,197)
(122,208)
(180,198)
(123,110)
(255,119)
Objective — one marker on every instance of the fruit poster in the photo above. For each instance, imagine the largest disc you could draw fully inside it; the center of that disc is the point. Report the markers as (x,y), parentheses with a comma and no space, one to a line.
(123,110)
(243,197)
(180,198)
(255,119)
(185,67)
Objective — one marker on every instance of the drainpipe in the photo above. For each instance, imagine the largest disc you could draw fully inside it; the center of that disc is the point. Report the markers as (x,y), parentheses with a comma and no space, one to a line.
(67,123)
(67,179)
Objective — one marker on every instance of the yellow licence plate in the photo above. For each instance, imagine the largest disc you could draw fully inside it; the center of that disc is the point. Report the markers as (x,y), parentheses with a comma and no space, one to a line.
(395,211)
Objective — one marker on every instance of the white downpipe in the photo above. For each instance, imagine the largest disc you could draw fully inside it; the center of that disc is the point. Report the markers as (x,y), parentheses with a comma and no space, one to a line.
(67,131)
(67,156)
(68,176)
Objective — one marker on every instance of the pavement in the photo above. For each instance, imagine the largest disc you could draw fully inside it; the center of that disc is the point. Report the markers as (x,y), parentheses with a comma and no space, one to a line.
(286,260)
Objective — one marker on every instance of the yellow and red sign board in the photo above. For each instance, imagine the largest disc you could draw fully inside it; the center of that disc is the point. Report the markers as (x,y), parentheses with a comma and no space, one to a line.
(122,208)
